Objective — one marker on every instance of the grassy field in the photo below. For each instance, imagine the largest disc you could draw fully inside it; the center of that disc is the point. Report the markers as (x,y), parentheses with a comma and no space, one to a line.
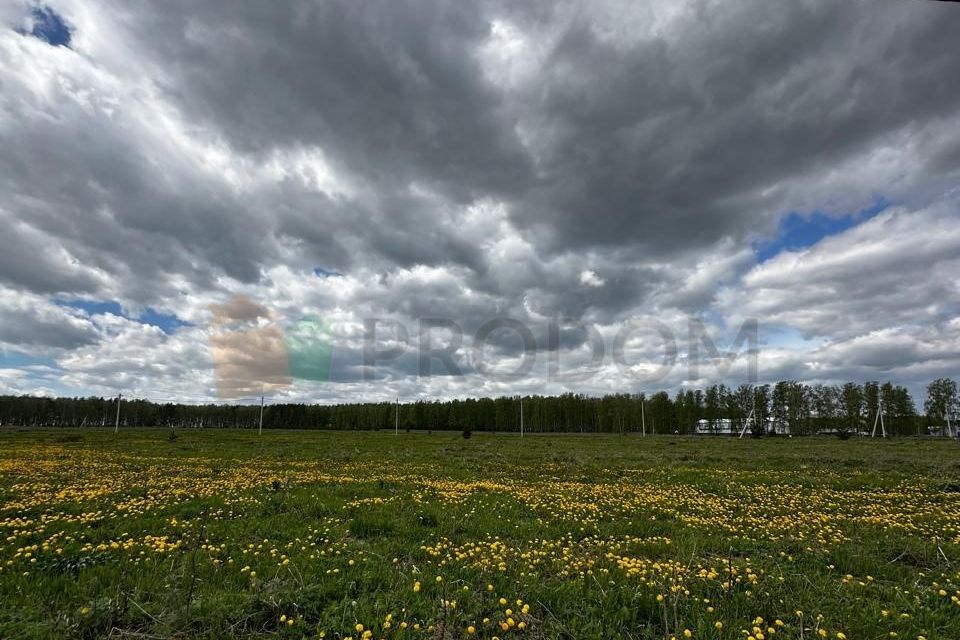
(376,535)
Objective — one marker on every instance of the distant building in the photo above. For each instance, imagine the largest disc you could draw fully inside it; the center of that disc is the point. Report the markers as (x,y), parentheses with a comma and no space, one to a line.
(726,426)
(723,426)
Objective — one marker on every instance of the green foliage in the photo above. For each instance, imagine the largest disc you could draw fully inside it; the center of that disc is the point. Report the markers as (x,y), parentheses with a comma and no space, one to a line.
(801,408)
(131,537)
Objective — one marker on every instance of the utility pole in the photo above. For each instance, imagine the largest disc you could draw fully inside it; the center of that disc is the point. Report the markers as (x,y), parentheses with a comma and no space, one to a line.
(396,421)
(260,431)
(116,424)
(745,423)
(876,418)
(643,419)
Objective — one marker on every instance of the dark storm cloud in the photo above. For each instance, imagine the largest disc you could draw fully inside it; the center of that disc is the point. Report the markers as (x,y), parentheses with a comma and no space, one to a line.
(24,329)
(666,141)
(118,206)
(391,89)
(31,322)
(30,260)
(661,141)
(675,142)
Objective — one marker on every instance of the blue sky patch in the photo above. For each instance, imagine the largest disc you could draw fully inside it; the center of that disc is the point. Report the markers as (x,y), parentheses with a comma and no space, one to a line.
(802,230)
(168,323)
(325,273)
(49,26)
(19,360)
(93,307)
(784,336)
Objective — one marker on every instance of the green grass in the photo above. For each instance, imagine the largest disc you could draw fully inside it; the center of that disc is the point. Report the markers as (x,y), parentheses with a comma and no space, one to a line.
(144,535)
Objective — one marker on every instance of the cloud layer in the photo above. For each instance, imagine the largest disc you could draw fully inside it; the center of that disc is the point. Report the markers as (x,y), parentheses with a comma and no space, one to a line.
(589,171)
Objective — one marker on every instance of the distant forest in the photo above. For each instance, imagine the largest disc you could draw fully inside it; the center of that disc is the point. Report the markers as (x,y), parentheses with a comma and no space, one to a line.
(800,408)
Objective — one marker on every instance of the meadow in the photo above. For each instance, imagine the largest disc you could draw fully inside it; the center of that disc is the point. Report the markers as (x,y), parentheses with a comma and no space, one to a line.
(312,534)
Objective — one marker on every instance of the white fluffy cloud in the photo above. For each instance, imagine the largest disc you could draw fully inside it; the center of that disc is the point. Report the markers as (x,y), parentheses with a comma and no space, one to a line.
(896,270)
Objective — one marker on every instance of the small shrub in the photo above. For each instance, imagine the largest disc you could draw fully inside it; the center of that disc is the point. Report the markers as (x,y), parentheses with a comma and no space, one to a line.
(278,485)
(363,527)
(428,520)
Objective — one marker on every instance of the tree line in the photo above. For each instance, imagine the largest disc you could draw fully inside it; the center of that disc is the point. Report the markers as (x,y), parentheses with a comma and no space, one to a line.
(792,406)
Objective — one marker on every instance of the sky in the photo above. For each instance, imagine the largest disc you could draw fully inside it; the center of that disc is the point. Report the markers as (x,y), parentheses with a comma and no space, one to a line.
(344,202)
